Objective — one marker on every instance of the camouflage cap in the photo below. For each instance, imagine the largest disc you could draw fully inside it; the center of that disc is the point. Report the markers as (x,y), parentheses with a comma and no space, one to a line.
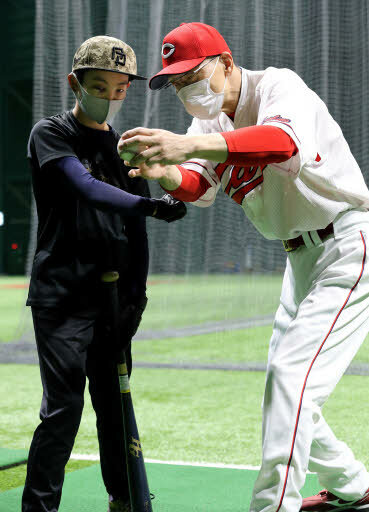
(108,54)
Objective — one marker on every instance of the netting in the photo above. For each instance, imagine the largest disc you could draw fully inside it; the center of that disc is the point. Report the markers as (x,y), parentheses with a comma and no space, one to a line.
(325,42)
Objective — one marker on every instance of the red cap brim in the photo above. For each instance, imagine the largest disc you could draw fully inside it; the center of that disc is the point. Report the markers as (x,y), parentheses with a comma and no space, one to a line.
(161,78)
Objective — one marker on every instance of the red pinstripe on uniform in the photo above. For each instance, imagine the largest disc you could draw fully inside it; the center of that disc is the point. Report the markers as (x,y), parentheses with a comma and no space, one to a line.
(309,370)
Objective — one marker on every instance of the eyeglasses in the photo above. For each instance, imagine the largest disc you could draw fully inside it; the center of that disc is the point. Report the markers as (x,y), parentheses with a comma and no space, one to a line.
(187,75)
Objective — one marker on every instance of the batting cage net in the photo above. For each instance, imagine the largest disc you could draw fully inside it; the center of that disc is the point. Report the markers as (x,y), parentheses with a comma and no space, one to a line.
(212,271)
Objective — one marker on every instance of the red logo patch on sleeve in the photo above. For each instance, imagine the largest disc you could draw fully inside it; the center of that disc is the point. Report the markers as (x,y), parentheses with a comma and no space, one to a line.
(278,118)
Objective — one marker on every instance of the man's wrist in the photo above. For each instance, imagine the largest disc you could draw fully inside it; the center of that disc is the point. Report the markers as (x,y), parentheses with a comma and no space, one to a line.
(210,146)
(193,146)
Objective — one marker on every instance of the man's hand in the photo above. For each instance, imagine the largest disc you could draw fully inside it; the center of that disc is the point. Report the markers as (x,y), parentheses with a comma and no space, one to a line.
(165,148)
(158,152)
(155,146)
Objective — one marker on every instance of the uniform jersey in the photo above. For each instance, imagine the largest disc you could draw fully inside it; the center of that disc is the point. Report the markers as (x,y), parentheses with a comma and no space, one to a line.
(303,193)
(76,242)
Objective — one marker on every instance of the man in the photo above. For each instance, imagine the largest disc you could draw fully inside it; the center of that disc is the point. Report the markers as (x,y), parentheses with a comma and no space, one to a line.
(270,143)
(91,220)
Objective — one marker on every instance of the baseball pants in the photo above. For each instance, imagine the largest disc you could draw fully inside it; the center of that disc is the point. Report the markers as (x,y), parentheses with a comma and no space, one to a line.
(320,324)
(71,347)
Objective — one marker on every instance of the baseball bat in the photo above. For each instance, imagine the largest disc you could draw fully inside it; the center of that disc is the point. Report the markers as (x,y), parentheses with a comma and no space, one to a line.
(137,480)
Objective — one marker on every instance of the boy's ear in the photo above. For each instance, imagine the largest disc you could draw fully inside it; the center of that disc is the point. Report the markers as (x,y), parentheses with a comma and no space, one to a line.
(73,82)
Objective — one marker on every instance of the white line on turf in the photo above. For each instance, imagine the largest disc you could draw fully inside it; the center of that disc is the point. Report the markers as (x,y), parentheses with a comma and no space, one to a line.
(203,464)
(78,456)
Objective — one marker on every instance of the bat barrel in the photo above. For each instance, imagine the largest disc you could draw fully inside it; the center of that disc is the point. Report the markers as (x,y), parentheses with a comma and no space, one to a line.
(138,486)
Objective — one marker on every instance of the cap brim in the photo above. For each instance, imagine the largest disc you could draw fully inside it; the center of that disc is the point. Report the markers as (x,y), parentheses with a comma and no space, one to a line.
(137,77)
(131,77)
(161,78)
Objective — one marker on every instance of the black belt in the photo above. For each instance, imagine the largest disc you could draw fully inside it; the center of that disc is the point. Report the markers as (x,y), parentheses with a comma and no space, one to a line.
(295,243)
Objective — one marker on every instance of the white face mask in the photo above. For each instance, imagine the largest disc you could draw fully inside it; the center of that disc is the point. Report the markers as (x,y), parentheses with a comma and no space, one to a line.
(200,100)
(98,109)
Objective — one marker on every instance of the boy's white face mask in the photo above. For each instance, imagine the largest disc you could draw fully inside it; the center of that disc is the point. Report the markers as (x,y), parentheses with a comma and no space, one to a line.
(98,109)
(200,100)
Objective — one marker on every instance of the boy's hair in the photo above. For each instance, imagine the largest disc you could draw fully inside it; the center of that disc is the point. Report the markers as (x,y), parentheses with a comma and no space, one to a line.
(80,73)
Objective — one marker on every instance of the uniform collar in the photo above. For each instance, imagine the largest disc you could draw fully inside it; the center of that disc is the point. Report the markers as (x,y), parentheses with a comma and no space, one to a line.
(225,122)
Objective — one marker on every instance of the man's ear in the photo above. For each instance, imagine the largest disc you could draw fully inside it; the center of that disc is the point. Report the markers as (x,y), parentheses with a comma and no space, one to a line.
(73,82)
(227,59)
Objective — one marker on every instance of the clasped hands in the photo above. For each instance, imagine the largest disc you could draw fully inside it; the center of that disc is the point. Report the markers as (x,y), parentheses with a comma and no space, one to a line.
(155,147)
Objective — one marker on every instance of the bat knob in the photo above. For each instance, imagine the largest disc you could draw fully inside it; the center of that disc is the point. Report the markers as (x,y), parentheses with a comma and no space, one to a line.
(110,277)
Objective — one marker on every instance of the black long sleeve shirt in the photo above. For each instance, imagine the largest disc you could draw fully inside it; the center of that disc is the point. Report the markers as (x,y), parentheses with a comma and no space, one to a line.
(91,215)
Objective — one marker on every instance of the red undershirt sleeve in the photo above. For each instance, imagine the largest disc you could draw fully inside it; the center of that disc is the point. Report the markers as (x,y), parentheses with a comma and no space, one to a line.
(258,145)
(193,186)
(255,145)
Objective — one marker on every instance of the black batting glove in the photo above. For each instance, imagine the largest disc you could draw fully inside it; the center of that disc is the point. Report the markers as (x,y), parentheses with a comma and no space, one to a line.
(169,209)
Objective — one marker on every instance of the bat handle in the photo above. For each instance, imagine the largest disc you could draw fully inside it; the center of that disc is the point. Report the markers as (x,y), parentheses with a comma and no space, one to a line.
(112,277)
(123,375)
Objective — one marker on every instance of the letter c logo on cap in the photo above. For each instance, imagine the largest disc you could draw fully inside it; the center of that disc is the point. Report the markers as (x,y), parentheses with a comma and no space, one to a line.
(171,49)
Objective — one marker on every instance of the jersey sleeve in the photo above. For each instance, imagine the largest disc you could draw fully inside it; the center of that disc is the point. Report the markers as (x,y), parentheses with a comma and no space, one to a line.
(48,142)
(204,167)
(287,103)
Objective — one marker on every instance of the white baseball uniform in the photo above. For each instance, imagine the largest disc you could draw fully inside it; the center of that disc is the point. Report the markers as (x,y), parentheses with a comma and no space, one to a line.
(323,314)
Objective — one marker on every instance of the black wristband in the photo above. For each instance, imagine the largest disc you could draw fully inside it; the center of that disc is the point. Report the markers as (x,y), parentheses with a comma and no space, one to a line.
(149,207)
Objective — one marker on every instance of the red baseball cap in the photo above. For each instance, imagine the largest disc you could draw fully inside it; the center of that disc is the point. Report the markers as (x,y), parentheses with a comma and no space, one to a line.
(186,47)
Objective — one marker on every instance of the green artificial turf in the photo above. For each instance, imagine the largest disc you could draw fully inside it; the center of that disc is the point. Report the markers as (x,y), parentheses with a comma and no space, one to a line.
(179,301)
(13,280)
(176,489)
(12,300)
(203,416)
(177,412)
(231,347)
(190,300)
(362,355)
(9,457)
(240,346)
(15,477)
(174,301)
